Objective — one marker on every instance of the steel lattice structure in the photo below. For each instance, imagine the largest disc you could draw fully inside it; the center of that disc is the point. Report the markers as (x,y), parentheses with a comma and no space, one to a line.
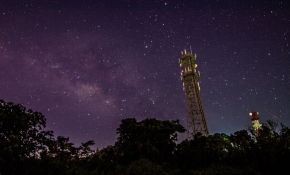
(189,75)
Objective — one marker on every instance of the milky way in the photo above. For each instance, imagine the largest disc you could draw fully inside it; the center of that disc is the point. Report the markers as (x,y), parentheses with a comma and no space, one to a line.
(86,65)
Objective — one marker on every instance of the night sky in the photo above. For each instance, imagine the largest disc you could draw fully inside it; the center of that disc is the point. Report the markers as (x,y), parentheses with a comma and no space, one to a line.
(88,64)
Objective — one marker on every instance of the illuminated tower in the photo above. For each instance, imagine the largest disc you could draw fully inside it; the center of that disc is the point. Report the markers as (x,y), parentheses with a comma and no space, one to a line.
(196,122)
(255,121)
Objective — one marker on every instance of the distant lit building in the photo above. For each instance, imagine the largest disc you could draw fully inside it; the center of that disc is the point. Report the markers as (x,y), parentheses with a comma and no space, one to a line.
(190,76)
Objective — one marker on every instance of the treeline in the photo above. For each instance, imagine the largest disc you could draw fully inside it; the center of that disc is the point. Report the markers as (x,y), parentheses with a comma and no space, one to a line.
(145,147)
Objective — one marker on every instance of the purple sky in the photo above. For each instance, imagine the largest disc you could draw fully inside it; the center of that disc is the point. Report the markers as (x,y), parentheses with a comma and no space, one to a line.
(88,64)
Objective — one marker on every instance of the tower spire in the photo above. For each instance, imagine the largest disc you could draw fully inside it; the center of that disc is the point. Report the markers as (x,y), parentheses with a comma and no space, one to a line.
(190,76)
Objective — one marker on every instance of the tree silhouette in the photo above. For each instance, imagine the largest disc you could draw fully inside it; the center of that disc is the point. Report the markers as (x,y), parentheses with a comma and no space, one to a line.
(21,135)
(149,139)
(142,147)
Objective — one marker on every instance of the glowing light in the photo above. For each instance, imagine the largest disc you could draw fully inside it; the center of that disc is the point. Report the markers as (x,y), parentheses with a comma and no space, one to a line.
(198,86)
(256,125)
(250,114)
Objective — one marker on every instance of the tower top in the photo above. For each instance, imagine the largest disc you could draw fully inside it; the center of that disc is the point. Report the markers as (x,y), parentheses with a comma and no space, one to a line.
(255,122)
(186,52)
(254,115)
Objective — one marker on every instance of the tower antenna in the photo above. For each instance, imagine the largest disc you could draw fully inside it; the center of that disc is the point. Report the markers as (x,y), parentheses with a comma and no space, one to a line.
(190,49)
(255,122)
(196,122)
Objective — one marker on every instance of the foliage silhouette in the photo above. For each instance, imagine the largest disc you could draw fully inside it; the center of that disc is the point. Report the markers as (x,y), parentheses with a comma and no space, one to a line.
(149,139)
(142,147)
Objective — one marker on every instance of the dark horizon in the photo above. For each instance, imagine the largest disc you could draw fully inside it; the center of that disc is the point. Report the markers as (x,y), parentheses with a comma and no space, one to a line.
(87,65)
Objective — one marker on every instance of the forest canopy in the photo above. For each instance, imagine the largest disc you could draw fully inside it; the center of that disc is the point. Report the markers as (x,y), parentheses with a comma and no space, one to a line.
(146,147)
